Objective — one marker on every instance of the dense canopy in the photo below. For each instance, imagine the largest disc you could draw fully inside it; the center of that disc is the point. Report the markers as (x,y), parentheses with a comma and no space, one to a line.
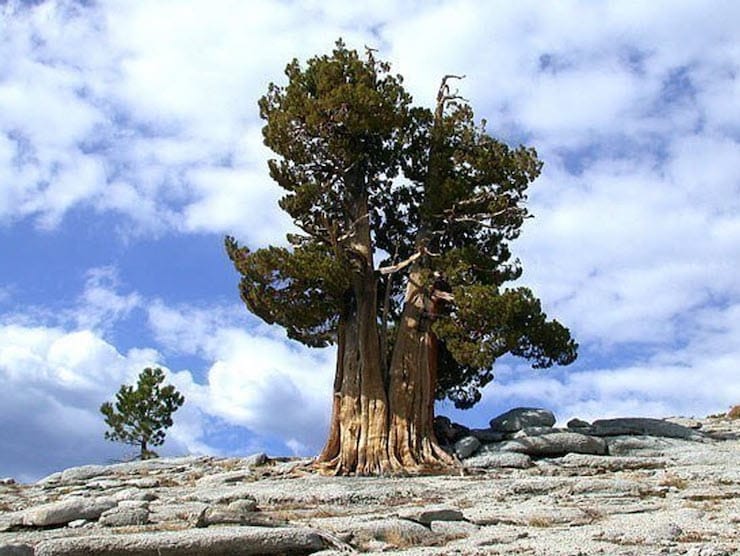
(405,217)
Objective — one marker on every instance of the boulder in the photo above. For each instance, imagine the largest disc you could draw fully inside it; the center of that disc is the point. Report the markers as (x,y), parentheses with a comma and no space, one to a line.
(487,436)
(499,460)
(64,511)
(642,426)
(219,541)
(125,515)
(465,447)
(448,432)
(578,424)
(520,417)
(83,473)
(255,460)
(556,444)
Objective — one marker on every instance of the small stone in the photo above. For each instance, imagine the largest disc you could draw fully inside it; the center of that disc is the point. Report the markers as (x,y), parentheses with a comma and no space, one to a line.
(465,447)
(77,523)
(520,417)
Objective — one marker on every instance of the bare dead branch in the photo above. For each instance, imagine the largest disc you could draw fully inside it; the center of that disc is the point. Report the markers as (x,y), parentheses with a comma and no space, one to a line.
(403,264)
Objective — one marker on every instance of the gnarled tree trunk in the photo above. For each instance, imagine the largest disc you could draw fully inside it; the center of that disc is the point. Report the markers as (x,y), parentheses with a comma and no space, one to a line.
(413,380)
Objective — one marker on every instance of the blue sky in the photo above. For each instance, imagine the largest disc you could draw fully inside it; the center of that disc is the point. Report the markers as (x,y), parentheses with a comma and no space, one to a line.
(130,144)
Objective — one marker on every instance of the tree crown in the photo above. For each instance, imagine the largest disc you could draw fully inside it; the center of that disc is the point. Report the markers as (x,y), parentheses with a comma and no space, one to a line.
(141,415)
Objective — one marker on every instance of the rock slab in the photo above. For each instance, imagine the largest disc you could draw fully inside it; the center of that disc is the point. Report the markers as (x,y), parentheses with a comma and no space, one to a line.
(220,541)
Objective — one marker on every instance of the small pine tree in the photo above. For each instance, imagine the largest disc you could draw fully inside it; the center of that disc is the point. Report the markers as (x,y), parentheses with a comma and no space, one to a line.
(141,415)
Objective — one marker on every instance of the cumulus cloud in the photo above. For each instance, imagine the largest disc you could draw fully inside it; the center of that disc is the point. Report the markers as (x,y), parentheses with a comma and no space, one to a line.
(55,373)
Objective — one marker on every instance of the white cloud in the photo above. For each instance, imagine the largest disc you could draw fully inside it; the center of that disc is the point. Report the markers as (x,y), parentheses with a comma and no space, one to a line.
(100,306)
(254,378)
(61,373)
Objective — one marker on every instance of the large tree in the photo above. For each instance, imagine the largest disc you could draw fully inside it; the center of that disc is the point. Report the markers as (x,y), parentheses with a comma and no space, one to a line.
(371,177)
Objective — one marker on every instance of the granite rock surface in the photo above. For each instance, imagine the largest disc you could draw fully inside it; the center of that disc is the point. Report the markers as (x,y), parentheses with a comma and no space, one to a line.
(677,494)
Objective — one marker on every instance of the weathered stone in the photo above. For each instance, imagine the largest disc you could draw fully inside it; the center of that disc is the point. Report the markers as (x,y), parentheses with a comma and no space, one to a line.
(556,444)
(454,529)
(578,424)
(60,513)
(499,460)
(448,432)
(134,494)
(520,417)
(396,532)
(229,477)
(611,463)
(426,515)
(220,541)
(243,505)
(647,446)
(535,431)
(525,515)
(10,520)
(144,482)
(83,473)
(465,447)
(238,512)
(16,550)
(487,436)
(50,479)
(642,426)
(687,422)
(125,515)
(77,523)
(255,460)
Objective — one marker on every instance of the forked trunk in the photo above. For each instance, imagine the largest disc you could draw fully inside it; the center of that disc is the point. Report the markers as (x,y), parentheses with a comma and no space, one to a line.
(413,380)
(374,431)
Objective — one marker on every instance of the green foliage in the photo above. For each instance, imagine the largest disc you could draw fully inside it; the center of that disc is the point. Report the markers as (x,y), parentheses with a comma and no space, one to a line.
(142,414)
(350,146)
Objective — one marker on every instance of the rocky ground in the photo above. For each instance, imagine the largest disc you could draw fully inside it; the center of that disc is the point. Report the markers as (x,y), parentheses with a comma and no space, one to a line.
(630,486)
